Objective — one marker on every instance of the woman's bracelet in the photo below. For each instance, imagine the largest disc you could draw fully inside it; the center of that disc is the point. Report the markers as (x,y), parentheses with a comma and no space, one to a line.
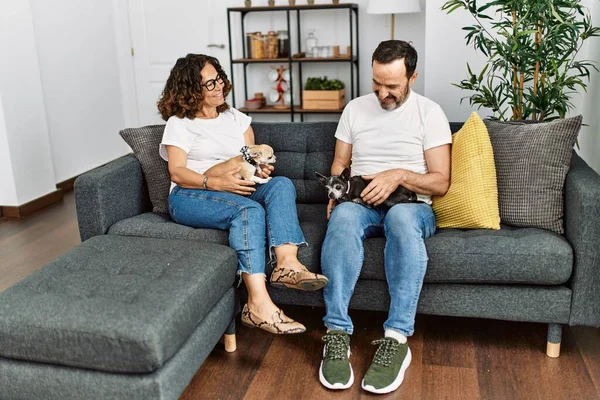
(204,183)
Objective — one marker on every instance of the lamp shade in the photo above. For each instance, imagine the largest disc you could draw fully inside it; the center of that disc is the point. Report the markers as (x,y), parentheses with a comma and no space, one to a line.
(393,6)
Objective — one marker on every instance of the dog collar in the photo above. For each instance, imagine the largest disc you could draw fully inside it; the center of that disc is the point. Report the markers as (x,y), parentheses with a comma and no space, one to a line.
(348,188)
(247,157)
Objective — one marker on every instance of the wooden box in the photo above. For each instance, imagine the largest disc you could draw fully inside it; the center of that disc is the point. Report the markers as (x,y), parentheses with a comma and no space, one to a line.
(323,99)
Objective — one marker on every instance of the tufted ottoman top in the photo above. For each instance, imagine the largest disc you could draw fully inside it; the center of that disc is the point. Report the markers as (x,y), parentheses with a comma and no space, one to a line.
(115,303)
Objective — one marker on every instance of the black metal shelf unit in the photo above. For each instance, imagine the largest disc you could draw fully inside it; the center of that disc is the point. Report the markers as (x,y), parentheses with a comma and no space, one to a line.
(353,60)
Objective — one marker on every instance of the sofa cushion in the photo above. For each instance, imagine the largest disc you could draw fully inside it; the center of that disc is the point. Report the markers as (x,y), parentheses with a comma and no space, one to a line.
(161,226)
(145,142)
(509,255)
(472,199)
(532,161)
(156,225)
(114,303)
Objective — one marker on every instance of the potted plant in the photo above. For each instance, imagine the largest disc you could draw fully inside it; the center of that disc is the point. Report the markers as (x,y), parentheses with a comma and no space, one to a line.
(323,94)
(532,46)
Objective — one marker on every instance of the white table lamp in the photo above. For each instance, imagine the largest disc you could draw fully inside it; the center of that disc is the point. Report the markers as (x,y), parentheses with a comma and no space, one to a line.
(393,7)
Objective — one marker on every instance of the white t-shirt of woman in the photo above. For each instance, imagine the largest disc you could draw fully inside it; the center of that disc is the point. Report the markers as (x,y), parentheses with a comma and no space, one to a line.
(207,142)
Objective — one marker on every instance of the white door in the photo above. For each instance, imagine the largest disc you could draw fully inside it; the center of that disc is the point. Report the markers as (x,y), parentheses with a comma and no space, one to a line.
(163,31)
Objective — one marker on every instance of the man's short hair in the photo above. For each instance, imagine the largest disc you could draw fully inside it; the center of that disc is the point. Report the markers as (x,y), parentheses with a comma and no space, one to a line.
(390,50)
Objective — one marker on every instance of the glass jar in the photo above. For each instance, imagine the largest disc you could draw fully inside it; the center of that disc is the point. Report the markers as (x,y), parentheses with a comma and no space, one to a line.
(272,45)
(311,43)
(258,45)
(284,44)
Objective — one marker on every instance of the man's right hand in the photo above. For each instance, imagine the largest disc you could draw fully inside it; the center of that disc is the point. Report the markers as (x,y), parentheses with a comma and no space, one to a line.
(229,183)
(330,207)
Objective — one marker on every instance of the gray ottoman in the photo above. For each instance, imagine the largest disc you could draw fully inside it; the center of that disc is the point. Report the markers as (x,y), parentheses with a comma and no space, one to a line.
(116,318)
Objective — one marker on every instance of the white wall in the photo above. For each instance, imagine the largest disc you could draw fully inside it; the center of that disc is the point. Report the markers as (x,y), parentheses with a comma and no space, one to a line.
(25,132)
(8,191)
(447,57)
(80,76)
(61,91)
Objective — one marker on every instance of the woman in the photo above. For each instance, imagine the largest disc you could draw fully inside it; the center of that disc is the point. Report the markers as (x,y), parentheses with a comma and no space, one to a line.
(202,132)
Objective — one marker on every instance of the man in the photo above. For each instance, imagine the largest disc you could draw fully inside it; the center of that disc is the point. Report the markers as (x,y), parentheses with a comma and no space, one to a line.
(390,137)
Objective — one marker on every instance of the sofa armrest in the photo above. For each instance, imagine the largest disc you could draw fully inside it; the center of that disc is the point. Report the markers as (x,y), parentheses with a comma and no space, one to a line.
(582,230)
(108,194)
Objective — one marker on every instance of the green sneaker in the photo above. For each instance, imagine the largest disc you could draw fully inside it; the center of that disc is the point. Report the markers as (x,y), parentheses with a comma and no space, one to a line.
(335,371)
(386,372)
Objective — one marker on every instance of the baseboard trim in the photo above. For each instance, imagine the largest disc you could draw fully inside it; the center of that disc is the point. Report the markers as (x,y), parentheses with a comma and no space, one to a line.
(33,206)
(67,185)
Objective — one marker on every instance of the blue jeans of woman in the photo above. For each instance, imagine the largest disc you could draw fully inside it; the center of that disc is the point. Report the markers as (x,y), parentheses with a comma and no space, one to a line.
(269,211)
(405,226)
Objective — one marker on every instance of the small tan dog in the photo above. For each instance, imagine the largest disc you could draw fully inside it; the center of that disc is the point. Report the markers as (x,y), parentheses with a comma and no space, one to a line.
(250,161)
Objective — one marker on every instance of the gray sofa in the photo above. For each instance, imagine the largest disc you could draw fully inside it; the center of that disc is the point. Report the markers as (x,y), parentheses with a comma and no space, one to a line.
(516,274)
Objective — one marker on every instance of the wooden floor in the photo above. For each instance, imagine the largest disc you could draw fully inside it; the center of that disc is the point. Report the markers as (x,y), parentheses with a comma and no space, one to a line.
(453,358)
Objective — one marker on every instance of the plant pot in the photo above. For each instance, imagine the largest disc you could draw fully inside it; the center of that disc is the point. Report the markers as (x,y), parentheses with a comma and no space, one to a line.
(336,1)
(292,2)
(310,2)
(271,3)
(248,3)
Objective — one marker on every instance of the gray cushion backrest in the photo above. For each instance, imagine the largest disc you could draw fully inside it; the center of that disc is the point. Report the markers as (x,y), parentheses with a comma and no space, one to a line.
(145,142)
(301,150)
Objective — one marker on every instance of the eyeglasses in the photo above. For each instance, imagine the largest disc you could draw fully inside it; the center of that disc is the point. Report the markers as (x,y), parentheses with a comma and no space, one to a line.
(212,83)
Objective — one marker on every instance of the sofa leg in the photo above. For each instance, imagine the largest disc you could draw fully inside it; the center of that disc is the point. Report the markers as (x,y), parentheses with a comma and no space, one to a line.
(229,337)
(554,339)
(230,343)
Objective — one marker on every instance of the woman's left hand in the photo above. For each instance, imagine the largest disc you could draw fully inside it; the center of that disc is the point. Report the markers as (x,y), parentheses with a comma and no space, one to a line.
(265,170)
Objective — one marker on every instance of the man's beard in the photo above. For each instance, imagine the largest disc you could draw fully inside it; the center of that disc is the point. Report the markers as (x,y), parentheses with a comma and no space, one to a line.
(391,103)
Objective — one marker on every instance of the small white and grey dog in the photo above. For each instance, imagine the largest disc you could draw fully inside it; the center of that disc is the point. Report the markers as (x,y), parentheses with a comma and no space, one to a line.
(251,159)
(344,188)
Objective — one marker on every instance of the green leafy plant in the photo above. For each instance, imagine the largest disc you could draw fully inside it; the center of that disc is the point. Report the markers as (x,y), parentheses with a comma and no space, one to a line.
(532,69)
(323,84)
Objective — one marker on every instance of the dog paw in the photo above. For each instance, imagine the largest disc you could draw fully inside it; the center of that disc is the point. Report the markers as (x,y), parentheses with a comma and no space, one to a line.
(262,181)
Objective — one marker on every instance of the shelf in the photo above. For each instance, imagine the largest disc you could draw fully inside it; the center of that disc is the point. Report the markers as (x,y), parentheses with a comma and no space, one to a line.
(259,60)
(325,59)
(285,60)
(297,110)
(297,7)
(265,110)
(295,65)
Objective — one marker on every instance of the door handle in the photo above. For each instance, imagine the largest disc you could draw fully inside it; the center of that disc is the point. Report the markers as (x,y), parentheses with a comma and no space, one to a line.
(220,46)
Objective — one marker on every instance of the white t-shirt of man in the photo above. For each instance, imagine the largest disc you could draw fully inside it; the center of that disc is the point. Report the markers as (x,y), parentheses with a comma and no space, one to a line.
(206,142)
(383,140)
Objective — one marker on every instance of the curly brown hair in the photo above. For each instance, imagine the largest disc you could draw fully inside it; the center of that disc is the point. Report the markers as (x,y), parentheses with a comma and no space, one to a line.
(182,95)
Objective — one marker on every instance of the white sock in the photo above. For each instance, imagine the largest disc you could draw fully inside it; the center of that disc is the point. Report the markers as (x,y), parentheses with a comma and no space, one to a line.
(395,335)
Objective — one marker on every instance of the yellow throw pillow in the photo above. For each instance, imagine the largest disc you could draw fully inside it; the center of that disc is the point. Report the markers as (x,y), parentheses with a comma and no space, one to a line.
(472,200)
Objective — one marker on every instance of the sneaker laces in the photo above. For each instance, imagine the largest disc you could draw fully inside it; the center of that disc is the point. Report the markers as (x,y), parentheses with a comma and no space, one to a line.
(386,351)
(336,346)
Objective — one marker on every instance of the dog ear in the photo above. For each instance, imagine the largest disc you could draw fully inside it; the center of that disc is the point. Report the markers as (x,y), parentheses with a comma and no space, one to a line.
(322,178)
(346,174)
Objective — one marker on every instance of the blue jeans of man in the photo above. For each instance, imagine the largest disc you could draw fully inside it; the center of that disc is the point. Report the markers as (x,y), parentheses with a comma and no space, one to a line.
(405,226)
(269,211)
